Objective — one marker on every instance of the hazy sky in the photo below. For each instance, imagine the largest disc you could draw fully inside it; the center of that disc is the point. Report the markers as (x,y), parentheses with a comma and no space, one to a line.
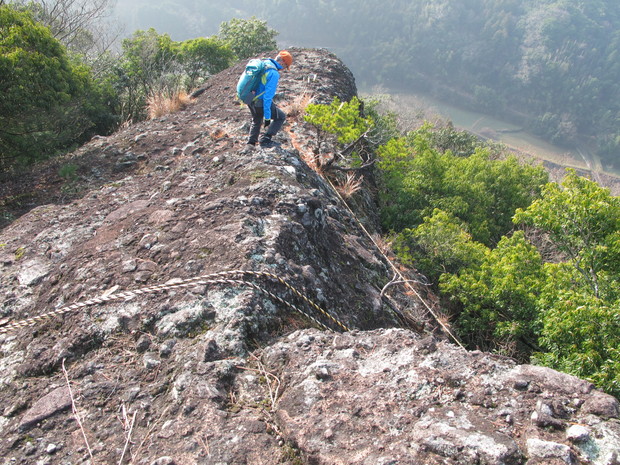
(182,22)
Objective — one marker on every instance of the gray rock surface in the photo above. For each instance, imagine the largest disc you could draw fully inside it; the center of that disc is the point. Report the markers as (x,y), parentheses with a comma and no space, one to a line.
(251,366)
(390,396)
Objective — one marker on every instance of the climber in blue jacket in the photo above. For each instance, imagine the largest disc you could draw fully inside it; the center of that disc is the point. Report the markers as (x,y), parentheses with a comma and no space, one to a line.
(264,111)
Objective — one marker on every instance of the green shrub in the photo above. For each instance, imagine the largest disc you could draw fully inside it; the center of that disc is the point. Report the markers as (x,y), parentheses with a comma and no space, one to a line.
(341,119)
(482,193)
(497,300)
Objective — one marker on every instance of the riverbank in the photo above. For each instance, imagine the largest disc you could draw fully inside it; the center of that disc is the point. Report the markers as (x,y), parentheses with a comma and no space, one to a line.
(415,107)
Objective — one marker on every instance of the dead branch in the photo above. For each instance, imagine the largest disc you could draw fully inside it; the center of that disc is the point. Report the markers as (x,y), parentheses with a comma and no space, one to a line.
(75,412)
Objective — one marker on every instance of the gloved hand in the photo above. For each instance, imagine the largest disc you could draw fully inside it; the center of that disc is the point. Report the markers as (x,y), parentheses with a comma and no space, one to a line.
(267,122)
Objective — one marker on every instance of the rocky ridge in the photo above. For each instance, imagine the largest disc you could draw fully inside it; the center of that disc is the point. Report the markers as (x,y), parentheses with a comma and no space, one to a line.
(227,370)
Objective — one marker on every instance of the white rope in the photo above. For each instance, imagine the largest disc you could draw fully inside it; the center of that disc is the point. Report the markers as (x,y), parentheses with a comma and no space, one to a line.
(395,268)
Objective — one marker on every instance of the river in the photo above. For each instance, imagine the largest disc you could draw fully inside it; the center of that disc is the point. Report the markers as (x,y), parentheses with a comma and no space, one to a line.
(489,127)
(419,106)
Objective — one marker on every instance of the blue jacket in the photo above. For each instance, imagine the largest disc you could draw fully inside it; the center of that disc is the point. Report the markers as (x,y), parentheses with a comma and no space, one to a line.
(268,85)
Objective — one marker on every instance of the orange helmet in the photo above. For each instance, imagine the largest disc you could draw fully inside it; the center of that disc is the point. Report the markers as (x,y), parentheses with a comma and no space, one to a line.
(286,58)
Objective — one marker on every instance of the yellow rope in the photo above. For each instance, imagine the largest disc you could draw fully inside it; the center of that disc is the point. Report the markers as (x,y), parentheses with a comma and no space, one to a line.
(217,278)
(214,278)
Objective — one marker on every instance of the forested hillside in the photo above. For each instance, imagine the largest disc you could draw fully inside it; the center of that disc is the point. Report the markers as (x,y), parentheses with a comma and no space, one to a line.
(551,66)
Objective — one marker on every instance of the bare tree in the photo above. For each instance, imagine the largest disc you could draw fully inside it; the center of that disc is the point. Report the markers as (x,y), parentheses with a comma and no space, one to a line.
(81,25)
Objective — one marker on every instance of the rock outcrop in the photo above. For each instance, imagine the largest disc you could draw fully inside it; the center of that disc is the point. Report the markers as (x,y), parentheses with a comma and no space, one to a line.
(208,306)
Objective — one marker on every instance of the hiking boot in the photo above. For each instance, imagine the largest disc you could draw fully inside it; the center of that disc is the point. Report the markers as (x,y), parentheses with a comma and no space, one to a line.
(249,148)
(268,143)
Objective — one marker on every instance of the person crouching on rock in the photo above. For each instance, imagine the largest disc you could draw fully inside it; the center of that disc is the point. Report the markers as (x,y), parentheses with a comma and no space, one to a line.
(264,111)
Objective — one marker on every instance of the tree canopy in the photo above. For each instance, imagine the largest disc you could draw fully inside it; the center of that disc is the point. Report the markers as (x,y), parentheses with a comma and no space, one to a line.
(579,295)
(42,91)
(479,191)
(546,291)
(248,37)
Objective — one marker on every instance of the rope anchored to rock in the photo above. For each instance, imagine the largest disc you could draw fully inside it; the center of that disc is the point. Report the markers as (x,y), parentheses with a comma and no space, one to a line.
(234,277)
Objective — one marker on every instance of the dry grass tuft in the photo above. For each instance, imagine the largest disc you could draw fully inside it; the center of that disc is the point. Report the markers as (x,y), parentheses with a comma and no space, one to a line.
(163,104)
(218,134)
(349,186)
(384,243)
(296,108)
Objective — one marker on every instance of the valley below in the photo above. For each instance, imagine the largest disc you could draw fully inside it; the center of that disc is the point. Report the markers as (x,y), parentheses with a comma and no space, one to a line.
(415,106)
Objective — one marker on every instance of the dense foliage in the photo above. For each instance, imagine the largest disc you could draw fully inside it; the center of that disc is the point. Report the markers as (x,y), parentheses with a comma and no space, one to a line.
(580,297)
(341,119)
(454,217)
(248,38)
(497,296)
(480,192)
(47,101)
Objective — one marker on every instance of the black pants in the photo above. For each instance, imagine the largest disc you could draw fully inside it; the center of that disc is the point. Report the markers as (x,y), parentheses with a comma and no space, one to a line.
(278,118)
